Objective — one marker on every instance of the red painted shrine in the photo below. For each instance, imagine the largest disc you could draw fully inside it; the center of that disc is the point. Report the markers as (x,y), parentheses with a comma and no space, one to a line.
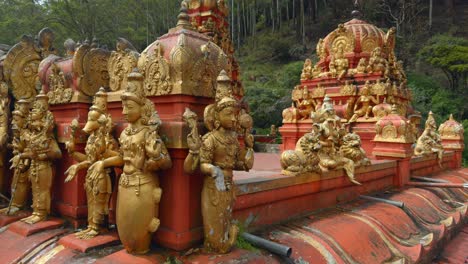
(322,216)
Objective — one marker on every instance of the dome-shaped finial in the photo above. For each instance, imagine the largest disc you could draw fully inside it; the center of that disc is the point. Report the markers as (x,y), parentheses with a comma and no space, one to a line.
(356,13)
(183,19)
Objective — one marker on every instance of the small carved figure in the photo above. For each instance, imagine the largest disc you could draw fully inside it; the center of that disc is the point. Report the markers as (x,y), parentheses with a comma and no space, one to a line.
(41,149)
(320,49)
(364,104)
(341,63)
(430,142)
(70,47)
(305,157)
(316,71)
(273,131)
(330,157)
(142,152)
(351,149)
(376,62)
(305,106)
(100,145)
(307,70)
(220,154)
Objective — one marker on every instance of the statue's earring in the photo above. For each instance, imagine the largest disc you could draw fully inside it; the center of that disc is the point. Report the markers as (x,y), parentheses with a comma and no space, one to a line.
(217,124)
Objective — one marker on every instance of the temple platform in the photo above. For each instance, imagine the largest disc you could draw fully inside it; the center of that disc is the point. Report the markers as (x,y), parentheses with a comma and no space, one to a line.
(322,217)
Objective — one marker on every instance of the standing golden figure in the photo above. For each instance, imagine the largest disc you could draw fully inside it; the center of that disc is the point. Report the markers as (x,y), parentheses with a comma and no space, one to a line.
(4,115)
(20,186)
(100,145)
(41,148)
(142,152)
(219,154)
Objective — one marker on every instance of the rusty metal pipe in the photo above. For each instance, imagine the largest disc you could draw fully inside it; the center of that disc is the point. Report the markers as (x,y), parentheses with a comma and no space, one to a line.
(271,246)
(426,179)
(387,201)
(441,185)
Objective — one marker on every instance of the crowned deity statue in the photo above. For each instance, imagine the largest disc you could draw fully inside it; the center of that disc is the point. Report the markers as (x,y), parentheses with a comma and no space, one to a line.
(142,153)
(430,142)
(341,63)
(218,154)
(363,105)
(100,145)
(20,185)
(307,70)
(377,63)
(41,149)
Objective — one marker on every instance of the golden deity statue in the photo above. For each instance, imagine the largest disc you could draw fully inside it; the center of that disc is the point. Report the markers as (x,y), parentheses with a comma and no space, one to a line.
(376,62)
(326,147)
(4,115)
(20,186)
(341,63)
(360,68)
(142,152)
(307,70)
(41,149)
(363,105)
(100,145)
(220,153)
(430,142)
(305,106)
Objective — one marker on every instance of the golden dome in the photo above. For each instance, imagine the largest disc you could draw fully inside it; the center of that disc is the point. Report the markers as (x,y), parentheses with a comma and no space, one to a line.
(358,37)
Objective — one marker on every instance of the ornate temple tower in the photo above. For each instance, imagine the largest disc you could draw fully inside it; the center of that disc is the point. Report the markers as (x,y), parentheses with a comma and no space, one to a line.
(358,73)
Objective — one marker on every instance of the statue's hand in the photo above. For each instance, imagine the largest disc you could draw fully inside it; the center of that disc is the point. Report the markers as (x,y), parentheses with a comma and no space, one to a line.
(217,173)
(70,146)
(71,172)
(193,143)
(96,169)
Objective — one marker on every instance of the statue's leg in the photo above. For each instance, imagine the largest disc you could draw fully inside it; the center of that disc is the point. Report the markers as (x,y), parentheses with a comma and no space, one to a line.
(90,203)
(41,193)
(20,193)
(213,212)
(232,229)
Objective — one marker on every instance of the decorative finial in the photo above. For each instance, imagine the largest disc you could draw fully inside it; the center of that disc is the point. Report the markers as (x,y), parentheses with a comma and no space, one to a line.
(356,13)
(183,19)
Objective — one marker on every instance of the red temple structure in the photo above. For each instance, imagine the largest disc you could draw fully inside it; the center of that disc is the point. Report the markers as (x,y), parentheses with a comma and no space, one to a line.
(406,210)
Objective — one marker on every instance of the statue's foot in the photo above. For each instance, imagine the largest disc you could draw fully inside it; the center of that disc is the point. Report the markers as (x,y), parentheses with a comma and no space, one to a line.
(366,117)
(80,233)
(27,218)
(34,219)
(90,234)
(13,210)
(355,182)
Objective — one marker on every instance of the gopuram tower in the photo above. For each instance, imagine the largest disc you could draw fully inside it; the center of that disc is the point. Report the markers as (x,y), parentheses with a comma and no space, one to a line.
(358,73)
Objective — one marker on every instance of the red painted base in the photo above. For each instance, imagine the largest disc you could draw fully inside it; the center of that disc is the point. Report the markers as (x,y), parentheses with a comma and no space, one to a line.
(25,229)
(8,219)
(103,240)
(15,247)
(123,257)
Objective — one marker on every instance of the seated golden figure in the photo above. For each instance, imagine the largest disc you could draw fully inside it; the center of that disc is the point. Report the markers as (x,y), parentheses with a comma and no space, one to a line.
(100,145)
(363,105)
(341,63)
(376,62)
(306,70)
(142,152)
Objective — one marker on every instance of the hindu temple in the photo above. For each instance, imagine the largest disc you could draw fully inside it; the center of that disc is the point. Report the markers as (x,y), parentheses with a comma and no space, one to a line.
(128,156)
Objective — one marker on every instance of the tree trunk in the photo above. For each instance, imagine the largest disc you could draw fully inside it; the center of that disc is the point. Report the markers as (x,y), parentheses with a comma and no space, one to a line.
(303,22)
(430,14)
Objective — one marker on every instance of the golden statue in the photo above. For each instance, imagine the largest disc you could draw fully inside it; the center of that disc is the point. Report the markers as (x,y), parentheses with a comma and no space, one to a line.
(316,71)
(306,70)
(121,63)
(305,157)
(430,142)
(220,154)
(305,106)
(20,186)
(326,147)
(100,145)
(41,149)
(142,152)
(58,93)
(273,131)
(320,50)
(330,156)
(4,115)
(376,62)
(364,104)
(351,149)
(341,63)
